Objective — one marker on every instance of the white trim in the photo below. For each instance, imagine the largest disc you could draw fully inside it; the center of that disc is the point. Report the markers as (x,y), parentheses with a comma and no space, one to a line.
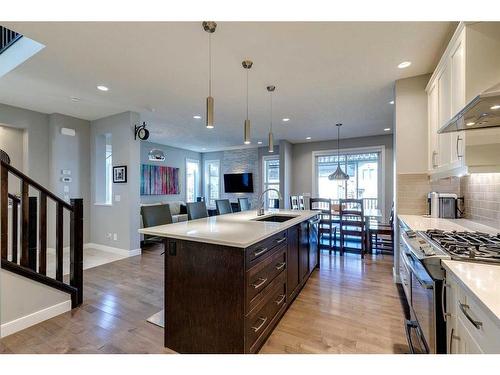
(205,179)
(197,182)
(37,317)
(378,148)
(115,250)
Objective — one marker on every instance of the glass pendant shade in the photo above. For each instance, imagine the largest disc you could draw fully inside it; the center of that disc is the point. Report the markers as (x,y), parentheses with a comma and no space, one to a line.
(339,174)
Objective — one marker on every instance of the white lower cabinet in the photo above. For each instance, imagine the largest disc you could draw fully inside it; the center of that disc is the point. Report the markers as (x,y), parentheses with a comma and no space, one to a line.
(469,328)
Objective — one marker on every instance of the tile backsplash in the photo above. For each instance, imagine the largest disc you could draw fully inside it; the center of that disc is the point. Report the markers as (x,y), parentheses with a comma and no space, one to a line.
(413,190)
(481,193)
(482,197)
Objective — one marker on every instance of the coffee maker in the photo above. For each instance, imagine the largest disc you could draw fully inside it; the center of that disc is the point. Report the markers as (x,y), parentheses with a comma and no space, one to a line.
(447,206)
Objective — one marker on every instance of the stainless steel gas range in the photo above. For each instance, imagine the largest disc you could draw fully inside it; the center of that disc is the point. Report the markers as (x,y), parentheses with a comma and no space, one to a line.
(422,278)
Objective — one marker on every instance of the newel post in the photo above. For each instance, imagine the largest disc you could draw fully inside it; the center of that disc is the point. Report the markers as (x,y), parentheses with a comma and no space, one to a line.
(76,249)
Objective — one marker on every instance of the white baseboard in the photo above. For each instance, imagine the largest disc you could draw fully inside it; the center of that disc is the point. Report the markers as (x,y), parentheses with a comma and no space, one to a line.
(37,317)
(115,250)
(109,249)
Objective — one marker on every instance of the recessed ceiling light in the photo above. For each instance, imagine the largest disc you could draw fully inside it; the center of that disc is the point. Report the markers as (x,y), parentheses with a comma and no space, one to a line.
(75,99)
(470,123)
(404,64)
(286,119)
(203,148)
(387,129)
(197,117)
(391,102)
(259,142)
(102,88)
(247,142)
(308,138)
(496,106)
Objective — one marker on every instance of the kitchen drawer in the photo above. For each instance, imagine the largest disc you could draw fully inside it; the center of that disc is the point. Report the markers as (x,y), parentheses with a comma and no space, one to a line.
(261,249)
(262,274)
(265,314)
(484,331)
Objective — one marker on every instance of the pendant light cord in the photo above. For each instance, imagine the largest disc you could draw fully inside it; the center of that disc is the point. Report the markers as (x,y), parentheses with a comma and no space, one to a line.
(338,145)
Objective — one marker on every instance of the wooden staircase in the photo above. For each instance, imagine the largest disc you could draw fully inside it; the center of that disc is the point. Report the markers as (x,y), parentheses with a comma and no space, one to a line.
(28,231)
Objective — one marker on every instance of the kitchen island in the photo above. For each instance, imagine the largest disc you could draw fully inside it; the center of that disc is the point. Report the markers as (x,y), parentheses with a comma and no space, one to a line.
(230,278)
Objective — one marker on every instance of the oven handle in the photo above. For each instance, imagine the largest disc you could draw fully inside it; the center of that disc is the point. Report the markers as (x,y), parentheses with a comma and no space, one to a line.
(412,324)
(414,272)
(443,309)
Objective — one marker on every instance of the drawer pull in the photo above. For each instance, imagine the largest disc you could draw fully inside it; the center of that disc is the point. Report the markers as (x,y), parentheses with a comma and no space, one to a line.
(260,283)
(464,307)
(263,320)
(280,266)
(452,337)
(260,252)
(281,240)
(280,300)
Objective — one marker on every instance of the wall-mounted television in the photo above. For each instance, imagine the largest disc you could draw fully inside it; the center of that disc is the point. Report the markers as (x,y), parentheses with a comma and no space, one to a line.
(238,183)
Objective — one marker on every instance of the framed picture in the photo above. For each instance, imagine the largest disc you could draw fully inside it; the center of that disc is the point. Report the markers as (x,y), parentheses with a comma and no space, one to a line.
(120,174)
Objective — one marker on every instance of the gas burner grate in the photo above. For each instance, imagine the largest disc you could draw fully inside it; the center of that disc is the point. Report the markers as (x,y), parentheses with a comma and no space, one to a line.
(467,245)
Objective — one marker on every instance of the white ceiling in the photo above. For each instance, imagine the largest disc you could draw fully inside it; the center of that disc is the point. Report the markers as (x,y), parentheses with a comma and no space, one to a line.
(324,73)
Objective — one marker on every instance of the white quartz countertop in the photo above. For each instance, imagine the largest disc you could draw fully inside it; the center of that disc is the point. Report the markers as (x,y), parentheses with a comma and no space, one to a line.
(238,229)
(422,223)
(481,280)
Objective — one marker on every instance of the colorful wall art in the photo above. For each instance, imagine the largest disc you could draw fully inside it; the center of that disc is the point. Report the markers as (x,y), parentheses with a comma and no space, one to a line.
(159,180)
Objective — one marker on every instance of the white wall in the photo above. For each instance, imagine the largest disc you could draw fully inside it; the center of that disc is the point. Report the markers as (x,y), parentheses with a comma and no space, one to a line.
(121,217)
(411,124)
(38,303)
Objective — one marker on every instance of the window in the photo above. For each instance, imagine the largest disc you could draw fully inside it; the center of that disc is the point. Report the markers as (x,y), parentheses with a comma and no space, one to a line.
(192,179)
(103,169)
(271,178)
(212,181)
(364,170)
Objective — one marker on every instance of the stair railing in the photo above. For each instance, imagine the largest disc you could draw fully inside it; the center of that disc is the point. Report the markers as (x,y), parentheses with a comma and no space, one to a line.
(29,216)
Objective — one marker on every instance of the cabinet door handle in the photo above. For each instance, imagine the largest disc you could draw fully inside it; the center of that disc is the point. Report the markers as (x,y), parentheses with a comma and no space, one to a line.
(445,314)
(452,337)
(476,323)
(280,300)
(280,266)
(263,321)
(260,283)
(260,252)
(458,150)
(281,240)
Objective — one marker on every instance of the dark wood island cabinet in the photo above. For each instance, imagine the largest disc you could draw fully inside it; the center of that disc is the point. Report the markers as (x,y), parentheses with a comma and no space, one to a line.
(228,299)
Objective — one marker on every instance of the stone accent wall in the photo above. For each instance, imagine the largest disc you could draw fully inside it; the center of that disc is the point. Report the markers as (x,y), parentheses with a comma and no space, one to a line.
(412,191)
(482,197)
(242,161)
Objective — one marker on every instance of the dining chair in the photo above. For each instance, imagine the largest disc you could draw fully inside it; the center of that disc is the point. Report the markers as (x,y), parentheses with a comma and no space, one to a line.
(381,235)
(352,223)
(294,202)
(153,216)
(325,227)
(196,210)
(223,206)
(243,204)
(302,205)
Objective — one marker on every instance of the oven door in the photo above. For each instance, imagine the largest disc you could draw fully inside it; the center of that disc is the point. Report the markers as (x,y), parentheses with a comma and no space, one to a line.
(423,304)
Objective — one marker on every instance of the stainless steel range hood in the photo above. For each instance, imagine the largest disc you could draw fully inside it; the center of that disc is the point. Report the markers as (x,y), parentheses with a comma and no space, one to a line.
(482,112)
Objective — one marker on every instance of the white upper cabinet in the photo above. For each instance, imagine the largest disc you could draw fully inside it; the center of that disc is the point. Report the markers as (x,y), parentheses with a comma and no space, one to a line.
(468,66)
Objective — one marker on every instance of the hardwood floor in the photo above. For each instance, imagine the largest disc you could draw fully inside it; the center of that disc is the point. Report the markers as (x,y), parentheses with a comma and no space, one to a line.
(349,306)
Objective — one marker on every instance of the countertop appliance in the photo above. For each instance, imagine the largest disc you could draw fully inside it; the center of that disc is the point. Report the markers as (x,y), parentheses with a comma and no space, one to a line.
(423,279)
(481,112)
(449,205)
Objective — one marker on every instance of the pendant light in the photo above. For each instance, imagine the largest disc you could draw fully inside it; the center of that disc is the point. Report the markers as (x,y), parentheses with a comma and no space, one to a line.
(339,174)
(209,27)
(271,89)
(247,64)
